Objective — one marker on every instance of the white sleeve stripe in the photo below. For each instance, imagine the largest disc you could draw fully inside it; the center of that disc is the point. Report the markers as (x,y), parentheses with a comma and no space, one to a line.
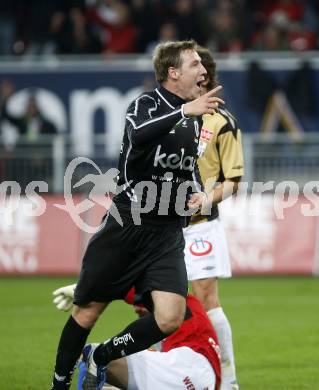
(183,115)
(131,120)
(164,98)
(152,120)
(136,108)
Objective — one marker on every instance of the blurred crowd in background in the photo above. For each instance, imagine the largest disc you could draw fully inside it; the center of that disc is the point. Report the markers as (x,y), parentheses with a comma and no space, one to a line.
(30,27)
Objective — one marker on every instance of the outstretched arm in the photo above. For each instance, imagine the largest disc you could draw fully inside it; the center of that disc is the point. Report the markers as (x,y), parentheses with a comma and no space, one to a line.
(63,297)
(144,127)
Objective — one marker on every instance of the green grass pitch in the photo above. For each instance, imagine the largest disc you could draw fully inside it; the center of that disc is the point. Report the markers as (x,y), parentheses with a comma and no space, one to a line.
(275,325)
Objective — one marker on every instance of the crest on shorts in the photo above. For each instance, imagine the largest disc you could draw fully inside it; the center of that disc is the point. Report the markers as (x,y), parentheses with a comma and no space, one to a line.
(200,247)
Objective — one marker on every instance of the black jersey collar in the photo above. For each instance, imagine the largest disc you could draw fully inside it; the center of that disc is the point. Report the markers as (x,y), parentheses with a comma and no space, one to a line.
(171,98)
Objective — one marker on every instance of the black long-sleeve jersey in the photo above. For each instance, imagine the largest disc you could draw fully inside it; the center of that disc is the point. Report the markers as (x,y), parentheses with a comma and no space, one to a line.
(158,160)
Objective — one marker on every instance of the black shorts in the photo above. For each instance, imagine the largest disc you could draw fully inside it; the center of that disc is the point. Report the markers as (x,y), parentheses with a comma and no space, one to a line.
(149,257)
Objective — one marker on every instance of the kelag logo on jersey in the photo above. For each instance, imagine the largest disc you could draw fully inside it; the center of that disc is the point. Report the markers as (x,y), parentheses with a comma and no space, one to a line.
(174,160)
(200,247)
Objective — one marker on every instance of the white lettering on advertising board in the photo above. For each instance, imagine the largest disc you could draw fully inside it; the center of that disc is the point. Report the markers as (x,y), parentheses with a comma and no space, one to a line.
(19,236)
(250,236)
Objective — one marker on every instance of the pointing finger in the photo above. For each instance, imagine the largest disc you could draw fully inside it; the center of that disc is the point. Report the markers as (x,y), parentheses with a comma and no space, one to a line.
(214,91)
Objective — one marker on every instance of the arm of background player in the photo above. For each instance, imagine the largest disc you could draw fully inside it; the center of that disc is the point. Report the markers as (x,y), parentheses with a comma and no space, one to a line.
(63,297)
(231,160)
(143,127)
(223,190)
(199,197)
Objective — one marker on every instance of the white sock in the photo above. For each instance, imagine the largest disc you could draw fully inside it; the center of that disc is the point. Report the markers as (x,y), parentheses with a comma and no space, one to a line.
(224,334)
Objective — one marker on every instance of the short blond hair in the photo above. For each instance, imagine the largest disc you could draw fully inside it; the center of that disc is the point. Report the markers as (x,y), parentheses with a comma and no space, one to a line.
(168,55)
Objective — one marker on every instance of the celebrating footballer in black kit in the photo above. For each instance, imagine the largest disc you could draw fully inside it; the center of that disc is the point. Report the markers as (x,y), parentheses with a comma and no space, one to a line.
(159,146)
(158,155)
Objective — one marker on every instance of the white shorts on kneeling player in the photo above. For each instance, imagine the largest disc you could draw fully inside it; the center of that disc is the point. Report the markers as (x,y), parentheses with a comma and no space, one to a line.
(178,369)
(206,251)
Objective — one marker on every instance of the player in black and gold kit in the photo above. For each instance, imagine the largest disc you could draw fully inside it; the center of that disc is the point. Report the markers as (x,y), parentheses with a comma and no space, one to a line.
(206,252)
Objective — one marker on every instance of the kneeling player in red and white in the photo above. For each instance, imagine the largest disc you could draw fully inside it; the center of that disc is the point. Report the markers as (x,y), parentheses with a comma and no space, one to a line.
(188,359)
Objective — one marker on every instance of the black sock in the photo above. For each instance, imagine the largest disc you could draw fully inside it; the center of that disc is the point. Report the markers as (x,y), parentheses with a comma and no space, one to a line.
(139,335)
(72,341)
